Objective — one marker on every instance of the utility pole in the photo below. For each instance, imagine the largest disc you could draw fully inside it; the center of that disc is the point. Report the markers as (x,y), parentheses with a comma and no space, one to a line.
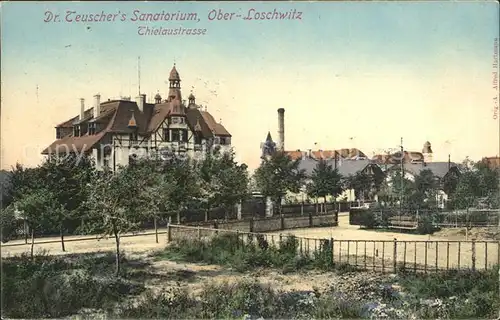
(402,181)
(139,73)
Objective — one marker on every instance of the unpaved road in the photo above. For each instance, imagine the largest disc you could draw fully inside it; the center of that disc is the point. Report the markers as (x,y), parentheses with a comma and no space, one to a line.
(422,252)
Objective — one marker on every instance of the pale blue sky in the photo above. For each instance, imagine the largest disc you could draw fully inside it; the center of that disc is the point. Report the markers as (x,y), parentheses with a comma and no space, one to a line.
(428,61)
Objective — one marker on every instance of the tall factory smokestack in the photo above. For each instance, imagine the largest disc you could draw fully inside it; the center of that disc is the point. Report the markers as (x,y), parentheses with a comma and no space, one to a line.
(281,129)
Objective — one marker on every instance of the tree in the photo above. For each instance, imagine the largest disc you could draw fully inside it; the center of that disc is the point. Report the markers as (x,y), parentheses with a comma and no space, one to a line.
(425,190)
(158,186)
(68,177)
(223,182)
(185,187)
(325,181)
(116,204)
(278,175)
(36,206)
(401,187)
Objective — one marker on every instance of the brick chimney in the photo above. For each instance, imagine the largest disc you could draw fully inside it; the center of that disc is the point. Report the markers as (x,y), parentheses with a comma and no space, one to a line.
(281,129)
(97,105)
(141,101)
(82,109)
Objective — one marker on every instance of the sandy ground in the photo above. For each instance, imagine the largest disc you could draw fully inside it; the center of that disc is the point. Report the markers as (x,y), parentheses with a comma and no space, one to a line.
(136,244)
(430,250)
(350,243)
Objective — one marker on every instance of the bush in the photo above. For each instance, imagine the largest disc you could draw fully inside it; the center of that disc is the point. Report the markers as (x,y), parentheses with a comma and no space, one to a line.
(57,286)
(455,294)
(230,250)
(243,299)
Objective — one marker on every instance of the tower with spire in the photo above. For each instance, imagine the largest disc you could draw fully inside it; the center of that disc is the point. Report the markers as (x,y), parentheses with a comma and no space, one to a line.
(174,88)
(427,152)
(268,147)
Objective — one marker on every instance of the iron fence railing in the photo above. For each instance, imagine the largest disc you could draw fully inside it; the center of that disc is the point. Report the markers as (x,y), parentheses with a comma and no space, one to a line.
(377,255)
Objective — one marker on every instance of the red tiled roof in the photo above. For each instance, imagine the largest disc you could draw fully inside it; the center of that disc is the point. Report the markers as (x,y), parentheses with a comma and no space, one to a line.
(115,116)
(328,154)
(395,158)
(216,128)
(491,162)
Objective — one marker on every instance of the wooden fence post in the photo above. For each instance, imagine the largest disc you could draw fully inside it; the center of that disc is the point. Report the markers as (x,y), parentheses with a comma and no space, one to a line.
(437,255)
(473,244)
(395,256)
(282,218)
(310,219)
(485,255)
(156,229)
(252,224)
(332,248)
(26,232)
(169,233)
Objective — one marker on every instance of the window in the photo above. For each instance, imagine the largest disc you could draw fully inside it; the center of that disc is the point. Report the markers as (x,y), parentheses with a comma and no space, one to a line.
(176,135)
(197,138)
(58,133)
(174,120)
(133,136)
(217,140)
(184,135)
(166,135)
(92,128)
(76,131)
(225,140)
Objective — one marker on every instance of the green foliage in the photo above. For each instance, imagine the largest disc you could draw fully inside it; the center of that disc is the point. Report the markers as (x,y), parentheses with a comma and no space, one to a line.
(224,182)
(55,287)
(325,181)
(476,182)
(8,223)
(247,299)
(231,250)
(278,175)
(468,294)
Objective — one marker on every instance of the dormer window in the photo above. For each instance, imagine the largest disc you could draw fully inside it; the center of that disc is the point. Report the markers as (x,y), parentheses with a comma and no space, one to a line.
(176,120)
(58,133)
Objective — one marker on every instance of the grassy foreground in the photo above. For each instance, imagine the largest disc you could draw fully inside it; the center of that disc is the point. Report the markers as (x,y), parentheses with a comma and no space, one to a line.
(61,286)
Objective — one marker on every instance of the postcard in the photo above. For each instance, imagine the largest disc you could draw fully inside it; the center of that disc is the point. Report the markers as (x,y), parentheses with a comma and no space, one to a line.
(321,159)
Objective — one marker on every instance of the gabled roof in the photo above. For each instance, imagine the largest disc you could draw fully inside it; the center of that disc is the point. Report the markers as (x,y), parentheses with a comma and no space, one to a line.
(345,167)
(351,167)
(115,116)
(439,169)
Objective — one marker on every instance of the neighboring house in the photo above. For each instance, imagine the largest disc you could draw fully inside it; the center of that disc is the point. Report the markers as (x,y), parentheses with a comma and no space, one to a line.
(115,132)
(492,162)
(386,160)
(440,170)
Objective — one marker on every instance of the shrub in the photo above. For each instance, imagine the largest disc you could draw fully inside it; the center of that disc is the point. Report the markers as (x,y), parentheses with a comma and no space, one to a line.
(57,286)
(462,294)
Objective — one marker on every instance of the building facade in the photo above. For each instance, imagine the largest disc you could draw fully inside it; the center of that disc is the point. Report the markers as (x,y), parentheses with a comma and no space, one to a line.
(116,132)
